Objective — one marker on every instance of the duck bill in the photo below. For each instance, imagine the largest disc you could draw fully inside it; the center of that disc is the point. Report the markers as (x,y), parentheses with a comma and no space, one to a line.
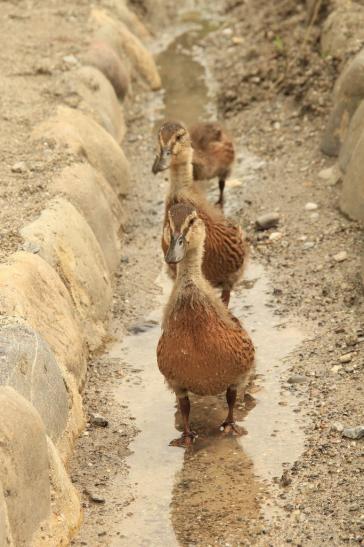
(176,251)
(162,161)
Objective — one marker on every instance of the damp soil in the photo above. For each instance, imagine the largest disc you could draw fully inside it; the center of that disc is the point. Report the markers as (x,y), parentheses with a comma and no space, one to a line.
(291,478)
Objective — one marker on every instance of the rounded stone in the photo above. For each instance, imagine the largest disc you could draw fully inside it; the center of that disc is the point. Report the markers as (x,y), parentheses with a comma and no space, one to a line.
(28,365)
(72,249)
(87,89)
(24,468)
(91,194)
(141,59)
(129,18)
(356,129)
(352,196)
(81,136)
(343,30)
(105,59)
(30,289)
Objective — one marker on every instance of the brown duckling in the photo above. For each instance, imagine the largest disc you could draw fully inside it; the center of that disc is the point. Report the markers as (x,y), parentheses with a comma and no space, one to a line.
(225,248)
(213,154)
(203,348)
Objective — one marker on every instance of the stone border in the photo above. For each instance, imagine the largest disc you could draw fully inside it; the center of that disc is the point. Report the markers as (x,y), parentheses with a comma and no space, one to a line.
(56,293)
(342,37)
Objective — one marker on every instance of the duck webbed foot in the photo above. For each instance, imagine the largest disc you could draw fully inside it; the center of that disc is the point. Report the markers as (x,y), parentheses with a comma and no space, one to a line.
(231,428)
(188,437)
(185,440)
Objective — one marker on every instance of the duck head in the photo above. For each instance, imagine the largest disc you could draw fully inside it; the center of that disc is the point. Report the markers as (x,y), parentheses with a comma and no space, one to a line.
(184,232)
(173,142)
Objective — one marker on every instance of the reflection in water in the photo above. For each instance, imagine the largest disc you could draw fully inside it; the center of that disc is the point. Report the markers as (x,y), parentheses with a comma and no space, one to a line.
(216,494)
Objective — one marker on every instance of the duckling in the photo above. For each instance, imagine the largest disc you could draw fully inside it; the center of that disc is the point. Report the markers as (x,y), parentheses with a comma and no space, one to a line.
(225,248)
(213,154)
(203,348)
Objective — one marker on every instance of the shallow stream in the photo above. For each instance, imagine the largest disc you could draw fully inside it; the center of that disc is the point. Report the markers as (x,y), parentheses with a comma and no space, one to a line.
(210,494)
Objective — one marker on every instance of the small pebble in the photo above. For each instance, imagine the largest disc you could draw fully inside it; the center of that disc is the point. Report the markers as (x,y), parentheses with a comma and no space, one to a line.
(310,206)
(346,358)
(70,59)
(337,426)
(354,432)
(100,421)
(268,220)
(308,245)
(275,236)
(340,257)
(297,379)
(19,167)
(95,497)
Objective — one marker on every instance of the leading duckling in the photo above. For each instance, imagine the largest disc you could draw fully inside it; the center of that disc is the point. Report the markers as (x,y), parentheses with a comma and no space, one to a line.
(203,348)
(225,247)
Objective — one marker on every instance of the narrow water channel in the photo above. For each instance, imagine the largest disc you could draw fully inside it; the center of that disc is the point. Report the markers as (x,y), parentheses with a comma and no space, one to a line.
(213,493)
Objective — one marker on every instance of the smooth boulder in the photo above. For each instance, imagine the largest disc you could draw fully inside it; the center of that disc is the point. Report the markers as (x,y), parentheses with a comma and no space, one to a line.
(103,57)
(348,94)
(28,366)
(91,194)
(24,468)
(88,90)
(352,195)
(141,59)
(32,290)
(82,137)
(72,249)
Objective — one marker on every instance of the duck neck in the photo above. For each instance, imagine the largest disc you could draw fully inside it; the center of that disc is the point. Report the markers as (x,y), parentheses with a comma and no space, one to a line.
(181,172)
(189,269)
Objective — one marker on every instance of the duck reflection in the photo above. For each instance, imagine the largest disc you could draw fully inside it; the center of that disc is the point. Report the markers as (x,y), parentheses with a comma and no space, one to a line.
(216,495)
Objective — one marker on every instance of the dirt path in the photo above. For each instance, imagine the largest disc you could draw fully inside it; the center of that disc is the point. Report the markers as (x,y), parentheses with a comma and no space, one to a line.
(291,479)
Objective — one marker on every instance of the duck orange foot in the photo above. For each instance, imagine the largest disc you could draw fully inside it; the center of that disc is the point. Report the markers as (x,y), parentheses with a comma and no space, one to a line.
(185,440)
(231,428)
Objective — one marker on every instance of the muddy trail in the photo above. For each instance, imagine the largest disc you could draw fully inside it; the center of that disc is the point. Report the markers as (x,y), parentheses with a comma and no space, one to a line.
(224,491)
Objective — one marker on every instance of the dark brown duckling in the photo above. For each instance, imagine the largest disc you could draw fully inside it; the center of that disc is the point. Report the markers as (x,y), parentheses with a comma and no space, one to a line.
(203,348)
(213,154)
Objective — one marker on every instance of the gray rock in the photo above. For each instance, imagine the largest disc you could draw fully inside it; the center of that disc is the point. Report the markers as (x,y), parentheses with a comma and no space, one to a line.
(308,245)
(28,365)
(98,420)
(297,379)
(266,221)
(95,497)
(337,426)
(354,432)
(343,30)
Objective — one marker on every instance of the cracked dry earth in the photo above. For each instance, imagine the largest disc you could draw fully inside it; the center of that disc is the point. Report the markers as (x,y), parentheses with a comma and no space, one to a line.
(292,479)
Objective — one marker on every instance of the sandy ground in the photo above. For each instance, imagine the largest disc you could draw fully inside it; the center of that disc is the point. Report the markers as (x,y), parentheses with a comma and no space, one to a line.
(275,107)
